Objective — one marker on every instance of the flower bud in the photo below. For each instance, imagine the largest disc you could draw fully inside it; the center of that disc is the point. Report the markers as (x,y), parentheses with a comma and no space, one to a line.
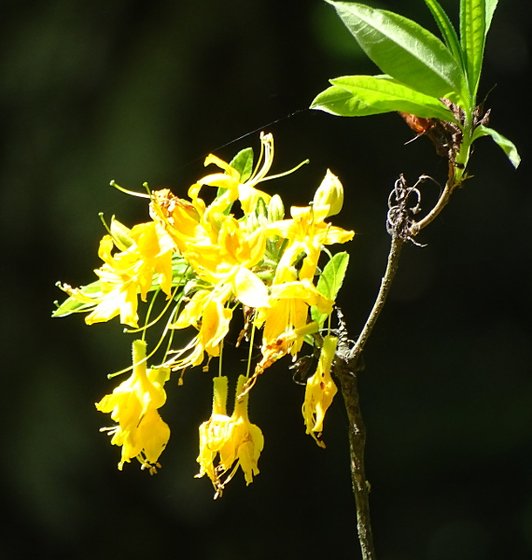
(330,193)
(275,208)
(121,234)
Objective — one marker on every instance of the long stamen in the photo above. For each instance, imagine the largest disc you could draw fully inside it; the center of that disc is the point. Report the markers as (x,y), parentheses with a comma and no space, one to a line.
(114,184)
(258,165)
(157,319)
(284,173)
(250,351)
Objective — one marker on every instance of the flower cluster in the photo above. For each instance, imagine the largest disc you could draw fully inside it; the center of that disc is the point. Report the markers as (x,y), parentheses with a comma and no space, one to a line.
(227,248)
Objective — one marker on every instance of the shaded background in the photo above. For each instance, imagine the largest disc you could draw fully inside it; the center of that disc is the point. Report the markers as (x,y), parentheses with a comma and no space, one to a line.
(136,91)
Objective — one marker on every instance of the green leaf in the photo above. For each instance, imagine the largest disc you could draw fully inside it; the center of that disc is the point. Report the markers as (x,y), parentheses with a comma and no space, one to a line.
(404,49)
(473,37)
(507,146)
(243,163)
(330,282)
(358,96)
(446,29)
(71,305)
(490,8)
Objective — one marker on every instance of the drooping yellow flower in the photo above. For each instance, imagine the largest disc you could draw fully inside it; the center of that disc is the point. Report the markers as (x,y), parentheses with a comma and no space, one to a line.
(320,391)
(235,441)
(207,312)
(246,442)
(134,405)
(289,309)
(214,432)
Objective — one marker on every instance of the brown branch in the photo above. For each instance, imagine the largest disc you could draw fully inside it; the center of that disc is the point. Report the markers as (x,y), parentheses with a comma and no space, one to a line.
(347,363)
(435,212)
(386,283)
(346,368)
(347,377)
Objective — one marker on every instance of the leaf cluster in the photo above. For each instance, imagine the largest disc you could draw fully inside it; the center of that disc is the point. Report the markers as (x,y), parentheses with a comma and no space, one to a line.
(423,75)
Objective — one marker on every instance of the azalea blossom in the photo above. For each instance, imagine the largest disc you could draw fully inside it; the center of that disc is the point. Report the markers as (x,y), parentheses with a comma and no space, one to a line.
(133,405)
(320,391)
(218,251)
(307,231)
(230,442)
(235,187)
(222,252)
(214,432)
(146,255)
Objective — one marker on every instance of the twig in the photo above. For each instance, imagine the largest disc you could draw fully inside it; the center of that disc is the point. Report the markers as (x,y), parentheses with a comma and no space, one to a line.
(346,368)
(435,212)
(386,283)
(402,227)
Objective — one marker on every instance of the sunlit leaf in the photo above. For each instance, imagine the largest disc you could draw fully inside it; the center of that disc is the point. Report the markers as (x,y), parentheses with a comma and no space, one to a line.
(71,305)
(330,281)
(357,96)
(490,8)
(404,49)
(506,145)
(446,29)
(243,163)
(472,37)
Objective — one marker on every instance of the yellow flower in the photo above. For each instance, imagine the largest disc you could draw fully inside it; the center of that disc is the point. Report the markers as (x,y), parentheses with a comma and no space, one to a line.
(214,432)
(206,311)
(145,258)
(231,181)
(222,253)
(320,391)
(225,253)
(234,440)
(288,312)
(307,232)
(179,217)
(133,405)
(218,247)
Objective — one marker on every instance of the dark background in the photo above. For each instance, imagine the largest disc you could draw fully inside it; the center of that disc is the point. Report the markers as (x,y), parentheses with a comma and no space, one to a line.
(142,91)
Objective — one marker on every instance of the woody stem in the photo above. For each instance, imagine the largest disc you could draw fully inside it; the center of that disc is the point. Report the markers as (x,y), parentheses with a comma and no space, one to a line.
(386,283)
(347,367)
(357,440)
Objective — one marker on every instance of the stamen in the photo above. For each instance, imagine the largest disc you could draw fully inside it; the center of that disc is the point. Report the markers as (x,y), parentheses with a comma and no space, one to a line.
(114,184)
(105,225)
(285,173)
